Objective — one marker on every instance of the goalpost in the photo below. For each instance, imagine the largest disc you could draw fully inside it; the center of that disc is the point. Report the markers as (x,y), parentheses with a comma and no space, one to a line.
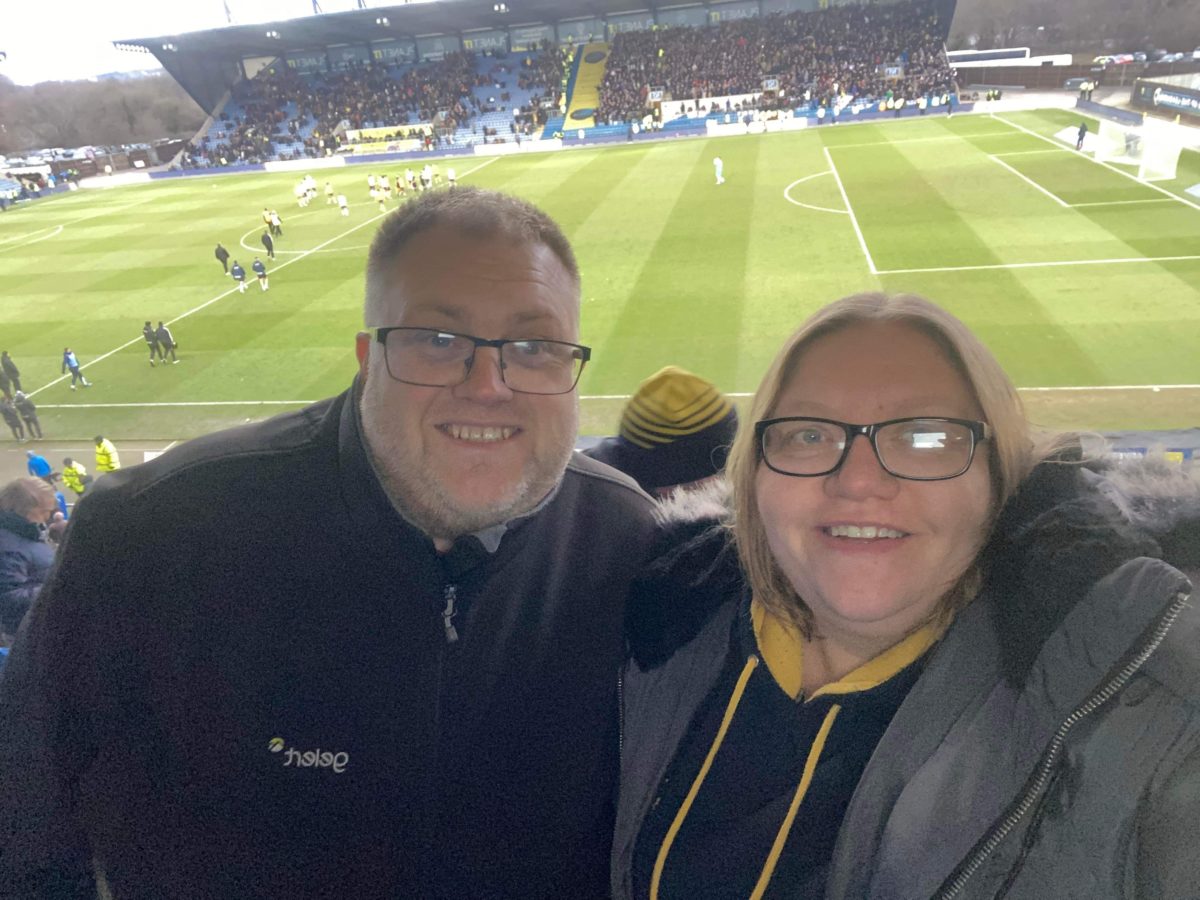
(1153,147)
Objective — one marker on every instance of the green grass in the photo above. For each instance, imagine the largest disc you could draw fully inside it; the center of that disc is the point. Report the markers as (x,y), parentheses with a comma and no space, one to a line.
(676,271)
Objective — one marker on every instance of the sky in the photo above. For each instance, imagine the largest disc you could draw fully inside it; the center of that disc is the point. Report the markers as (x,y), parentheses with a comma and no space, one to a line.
(61,40)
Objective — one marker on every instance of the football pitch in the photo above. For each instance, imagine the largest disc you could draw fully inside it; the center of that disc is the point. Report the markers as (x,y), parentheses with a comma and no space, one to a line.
(1084,281)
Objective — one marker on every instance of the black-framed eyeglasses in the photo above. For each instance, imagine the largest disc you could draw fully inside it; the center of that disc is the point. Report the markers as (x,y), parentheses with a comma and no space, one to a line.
(919,448)
(431,357)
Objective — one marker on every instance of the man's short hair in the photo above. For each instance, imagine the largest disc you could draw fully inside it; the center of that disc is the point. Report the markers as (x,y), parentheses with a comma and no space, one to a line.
(471,211)
(23,495)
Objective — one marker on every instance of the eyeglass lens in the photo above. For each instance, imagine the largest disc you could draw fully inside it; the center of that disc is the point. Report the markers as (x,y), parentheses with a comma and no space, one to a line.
(913,448)
(442,359)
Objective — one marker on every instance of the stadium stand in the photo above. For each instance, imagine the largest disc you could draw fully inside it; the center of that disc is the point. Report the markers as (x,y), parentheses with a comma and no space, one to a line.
(825,58)
(462,99)
(815,56)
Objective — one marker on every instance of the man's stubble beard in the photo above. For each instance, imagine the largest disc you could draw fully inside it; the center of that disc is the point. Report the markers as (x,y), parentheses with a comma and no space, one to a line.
(425,502)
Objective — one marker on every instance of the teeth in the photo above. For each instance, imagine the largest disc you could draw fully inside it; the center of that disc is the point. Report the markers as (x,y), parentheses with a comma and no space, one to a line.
(866,532)
(479,433)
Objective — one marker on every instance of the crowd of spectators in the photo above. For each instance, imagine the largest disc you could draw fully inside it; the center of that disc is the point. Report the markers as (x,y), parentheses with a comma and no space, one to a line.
(816,58)
(814,55)
(279,106)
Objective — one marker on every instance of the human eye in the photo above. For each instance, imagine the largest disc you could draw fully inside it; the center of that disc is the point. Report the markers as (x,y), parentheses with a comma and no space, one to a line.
(438,340)
(537,354)
(428,342)
(804,436)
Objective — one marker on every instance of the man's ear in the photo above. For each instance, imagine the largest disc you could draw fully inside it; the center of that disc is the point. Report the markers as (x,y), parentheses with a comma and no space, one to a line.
(362,349)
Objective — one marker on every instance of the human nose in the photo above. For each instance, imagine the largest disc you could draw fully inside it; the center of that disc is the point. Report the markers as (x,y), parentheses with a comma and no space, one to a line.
(485,379)
(861,475)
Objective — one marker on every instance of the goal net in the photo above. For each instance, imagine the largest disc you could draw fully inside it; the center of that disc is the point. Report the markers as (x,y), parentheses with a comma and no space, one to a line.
(1153,147)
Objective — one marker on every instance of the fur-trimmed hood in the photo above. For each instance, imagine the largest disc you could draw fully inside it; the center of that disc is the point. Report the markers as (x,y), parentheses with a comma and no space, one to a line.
(1067,526)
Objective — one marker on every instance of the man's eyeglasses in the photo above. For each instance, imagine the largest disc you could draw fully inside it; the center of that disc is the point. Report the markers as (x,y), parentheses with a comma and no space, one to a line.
(430,357)
(919,448)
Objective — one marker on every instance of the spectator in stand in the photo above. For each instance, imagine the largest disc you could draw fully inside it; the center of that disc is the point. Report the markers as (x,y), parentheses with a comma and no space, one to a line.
(75,476)
(675,433)
(222,256)
(278,105)
(26,505)
(437,603)
(107,458)
(57,529)
(830,53)
(28,410)
(9,368)
(12,419)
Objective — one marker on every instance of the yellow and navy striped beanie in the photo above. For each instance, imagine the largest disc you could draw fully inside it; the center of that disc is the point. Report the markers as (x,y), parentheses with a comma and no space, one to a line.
(677,428)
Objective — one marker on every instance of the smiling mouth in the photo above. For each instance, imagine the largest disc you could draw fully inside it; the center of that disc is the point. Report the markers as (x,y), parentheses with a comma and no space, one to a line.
(479,434)
(863,532)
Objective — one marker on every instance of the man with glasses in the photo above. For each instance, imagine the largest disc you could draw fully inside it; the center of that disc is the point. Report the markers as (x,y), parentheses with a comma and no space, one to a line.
(403,683)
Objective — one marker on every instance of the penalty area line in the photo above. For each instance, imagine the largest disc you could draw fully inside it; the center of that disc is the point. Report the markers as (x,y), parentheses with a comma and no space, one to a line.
(1041,265)
(788,196)
(862,241)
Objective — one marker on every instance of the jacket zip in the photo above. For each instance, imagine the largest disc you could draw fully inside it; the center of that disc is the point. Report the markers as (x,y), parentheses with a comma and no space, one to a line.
(450,595)
(957,880)
(620,712)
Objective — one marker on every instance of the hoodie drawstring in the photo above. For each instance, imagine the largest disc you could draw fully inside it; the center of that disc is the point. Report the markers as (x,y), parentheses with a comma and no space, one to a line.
(810,766)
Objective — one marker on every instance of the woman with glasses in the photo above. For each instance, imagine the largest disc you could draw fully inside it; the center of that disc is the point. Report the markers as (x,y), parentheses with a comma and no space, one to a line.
(921,658)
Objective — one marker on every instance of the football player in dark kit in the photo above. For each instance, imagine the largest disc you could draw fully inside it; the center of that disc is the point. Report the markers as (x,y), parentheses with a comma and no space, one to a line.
(222,256)
(151,338)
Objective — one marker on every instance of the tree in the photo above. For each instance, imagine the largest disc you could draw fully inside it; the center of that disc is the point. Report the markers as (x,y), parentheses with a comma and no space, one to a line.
(77,113)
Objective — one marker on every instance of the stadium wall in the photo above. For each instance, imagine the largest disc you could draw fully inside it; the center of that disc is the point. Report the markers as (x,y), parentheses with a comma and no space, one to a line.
(1124,116)
(1178,96)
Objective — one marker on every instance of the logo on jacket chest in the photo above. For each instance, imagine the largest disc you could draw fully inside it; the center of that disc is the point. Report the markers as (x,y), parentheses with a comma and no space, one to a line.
(337,760)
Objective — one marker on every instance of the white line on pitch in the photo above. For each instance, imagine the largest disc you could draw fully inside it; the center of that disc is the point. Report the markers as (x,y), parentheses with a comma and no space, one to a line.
(589,397)
(1098,162)
(1029,181)
(1102,387)
(1033,152)
(862,241)
(179,403)
(232,290)
(26,234)
(207,303)
(788,197)
(1038,265)
(1122,202)
(53,232)
(1118,387)
(924,140)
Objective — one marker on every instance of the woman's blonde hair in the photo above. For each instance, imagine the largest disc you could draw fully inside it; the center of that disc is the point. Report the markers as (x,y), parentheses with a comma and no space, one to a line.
(1011,450)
